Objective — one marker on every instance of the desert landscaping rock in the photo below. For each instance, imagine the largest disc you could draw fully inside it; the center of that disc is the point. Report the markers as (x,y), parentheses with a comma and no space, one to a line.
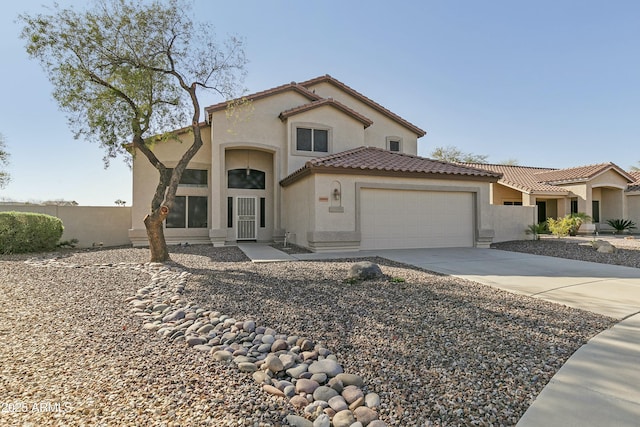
(483,358)
(343,419)
(365,415)
(364,270)
(326,366)
(297,421)
(350,379)
(372,400)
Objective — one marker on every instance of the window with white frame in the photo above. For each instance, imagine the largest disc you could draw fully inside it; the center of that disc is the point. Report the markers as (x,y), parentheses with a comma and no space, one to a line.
(188,212)
(312,140)
(394,143)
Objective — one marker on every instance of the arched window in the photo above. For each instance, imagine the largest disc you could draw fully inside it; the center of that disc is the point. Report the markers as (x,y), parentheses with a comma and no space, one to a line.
(250,179)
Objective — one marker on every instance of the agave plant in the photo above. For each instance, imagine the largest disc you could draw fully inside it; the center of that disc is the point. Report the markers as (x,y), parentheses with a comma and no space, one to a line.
(621,225)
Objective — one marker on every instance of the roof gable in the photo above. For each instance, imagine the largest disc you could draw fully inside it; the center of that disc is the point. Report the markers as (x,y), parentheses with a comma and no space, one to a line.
(326,102)
(580,174)
(366,100)
(293,86)
(370,160)
(549,181)
(521,178)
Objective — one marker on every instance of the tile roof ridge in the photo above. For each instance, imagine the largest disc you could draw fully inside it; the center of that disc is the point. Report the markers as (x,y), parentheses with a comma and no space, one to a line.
(328,78)
(337,155)
(509,166)
(267,92)
(326,101)
(587,166)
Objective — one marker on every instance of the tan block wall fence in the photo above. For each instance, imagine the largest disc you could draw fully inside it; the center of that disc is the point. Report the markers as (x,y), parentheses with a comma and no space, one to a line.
(91,225)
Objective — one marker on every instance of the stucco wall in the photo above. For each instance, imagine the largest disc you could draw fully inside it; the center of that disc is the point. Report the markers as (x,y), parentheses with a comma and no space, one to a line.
(338,226)
(297,211)
(501,194)
(257,124)
(382,127)
(146,177)
(609,179)
(89,224)
(633,210)
(511,222)
(345,133)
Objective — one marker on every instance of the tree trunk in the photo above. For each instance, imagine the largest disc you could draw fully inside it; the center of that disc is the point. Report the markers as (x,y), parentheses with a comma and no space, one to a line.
(155,232)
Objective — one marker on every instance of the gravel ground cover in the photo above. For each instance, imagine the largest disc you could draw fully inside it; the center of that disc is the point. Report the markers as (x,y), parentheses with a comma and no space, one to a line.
(438,350)
(628,250)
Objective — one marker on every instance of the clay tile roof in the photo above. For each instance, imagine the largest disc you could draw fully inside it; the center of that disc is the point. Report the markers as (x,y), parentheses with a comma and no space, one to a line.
(326,101)
(371,103)
(263,94)
(370,160)
(577,174)
(635,185)
(522,178)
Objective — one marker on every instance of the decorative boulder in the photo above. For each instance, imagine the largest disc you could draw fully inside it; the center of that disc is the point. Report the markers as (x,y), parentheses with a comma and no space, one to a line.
(603,246)
(607,249)
(364,270)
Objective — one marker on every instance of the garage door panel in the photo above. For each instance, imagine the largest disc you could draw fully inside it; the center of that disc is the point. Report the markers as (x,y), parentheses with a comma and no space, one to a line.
(415,219)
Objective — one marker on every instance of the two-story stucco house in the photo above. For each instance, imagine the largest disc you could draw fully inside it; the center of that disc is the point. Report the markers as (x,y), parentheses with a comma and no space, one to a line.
(324,165)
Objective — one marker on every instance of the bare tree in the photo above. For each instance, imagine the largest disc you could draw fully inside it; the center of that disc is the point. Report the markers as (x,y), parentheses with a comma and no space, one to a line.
(454,155)
(129,71)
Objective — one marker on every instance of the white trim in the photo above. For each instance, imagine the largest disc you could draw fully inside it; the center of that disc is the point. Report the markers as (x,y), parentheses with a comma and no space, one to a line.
(313,126)
(388,141)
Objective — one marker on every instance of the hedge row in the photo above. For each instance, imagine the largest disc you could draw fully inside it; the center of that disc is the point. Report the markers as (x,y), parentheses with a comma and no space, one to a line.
(28,232)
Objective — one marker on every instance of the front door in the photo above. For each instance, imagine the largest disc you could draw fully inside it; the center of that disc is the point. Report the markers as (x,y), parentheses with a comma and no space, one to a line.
(542,211)
(246,224)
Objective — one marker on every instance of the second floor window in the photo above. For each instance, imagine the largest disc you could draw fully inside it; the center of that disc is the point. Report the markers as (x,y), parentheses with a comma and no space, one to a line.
(312,140)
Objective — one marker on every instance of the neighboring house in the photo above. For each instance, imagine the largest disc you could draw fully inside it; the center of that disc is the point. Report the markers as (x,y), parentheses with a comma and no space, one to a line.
(326,166)
(603,191)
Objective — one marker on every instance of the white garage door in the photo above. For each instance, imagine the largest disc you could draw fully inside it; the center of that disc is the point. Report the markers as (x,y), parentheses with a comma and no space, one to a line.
(394,219)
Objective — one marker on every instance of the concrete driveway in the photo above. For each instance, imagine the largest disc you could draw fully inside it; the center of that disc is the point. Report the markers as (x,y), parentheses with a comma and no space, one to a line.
(600,383)
(610,290)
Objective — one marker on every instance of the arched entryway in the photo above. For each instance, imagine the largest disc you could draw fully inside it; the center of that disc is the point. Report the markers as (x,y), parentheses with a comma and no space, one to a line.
(248,186)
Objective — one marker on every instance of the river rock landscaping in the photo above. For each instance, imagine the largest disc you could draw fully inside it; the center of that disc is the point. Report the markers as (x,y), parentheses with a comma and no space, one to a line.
(212,339)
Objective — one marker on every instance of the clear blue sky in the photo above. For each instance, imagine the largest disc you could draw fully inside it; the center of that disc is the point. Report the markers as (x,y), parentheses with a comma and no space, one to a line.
(549,83)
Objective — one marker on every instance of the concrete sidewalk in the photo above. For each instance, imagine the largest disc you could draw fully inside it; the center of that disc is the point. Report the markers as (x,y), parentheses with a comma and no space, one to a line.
(262,252)
(600,383)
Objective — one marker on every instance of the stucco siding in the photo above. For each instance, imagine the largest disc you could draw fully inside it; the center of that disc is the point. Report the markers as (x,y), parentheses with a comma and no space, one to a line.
(146,177)
(609,179)
(345,133)
(257,124)
(297,212)
(501,194)
(633,210)
(382,127)
(511,222)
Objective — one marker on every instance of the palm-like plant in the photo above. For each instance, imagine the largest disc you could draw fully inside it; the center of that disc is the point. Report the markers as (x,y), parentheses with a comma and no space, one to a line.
(537,229)
(621,225)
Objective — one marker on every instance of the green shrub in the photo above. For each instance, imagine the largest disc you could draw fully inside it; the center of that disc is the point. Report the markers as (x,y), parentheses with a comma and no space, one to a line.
(621,225)
(28,232)
(560,227)
(537,229)
(568,224)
